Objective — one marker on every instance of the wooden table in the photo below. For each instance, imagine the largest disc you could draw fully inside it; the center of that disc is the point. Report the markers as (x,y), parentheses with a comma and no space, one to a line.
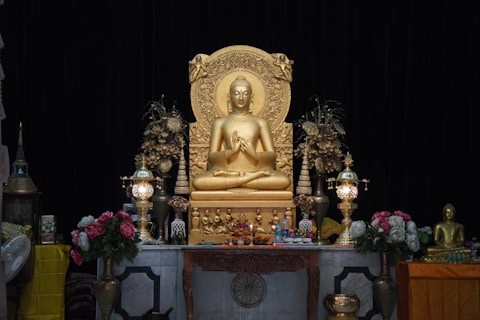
(262,260)
(438,291)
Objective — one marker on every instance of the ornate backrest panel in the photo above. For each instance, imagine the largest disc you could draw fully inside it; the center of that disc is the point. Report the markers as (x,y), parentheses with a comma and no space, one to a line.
(210,78)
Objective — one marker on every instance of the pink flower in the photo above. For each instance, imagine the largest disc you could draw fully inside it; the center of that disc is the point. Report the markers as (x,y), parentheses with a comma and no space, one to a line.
(75,235)
(77,257)
(380,214)
(107,215)
(94,230)
(123,215)
(127,230)
(406,217)
(381,222)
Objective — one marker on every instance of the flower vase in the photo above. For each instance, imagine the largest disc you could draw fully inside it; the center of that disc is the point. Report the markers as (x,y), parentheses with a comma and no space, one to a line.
(322,203)
(107,290)
(161,209)
(385,288)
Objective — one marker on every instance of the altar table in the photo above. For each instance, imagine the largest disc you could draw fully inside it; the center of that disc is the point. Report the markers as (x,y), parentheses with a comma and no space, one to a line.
(252,260)
(154,280)
(438,291)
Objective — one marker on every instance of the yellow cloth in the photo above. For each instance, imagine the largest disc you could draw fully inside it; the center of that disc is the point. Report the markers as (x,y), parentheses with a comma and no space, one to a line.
(438,291)
(43,297)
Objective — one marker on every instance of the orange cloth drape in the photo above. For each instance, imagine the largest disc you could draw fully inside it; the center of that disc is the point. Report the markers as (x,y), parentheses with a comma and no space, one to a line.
(43,297)
(438,291)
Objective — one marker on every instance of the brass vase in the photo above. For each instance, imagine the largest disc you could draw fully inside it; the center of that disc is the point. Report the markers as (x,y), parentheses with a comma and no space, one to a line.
(385,288)
(107,290)
(322,203)
(161,209)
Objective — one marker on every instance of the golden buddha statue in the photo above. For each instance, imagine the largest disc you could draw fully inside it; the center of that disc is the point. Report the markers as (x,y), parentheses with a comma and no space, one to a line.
(448,235)
(240,155)
(241,151)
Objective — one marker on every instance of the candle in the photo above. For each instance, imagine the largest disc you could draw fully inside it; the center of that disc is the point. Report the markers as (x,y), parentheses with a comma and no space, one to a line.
(251,234)
(274,240)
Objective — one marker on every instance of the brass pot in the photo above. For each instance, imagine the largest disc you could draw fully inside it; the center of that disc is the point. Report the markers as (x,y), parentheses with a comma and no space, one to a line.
(342,306)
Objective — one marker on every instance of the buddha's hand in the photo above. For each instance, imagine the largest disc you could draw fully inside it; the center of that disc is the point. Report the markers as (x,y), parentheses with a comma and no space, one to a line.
(247,148)
(236,142)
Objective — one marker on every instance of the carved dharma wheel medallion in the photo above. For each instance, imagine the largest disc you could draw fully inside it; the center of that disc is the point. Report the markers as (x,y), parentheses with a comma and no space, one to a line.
(248,289)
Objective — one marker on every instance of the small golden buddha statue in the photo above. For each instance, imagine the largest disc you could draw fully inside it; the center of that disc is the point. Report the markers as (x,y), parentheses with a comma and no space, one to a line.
(448,235)
(241,150)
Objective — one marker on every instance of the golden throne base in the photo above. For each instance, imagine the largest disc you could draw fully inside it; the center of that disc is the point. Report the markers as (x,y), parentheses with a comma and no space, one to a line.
(230,212)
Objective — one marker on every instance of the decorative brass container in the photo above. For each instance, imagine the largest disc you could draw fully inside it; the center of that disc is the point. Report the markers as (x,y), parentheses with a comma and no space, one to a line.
(385,289)
(342,306)
(107,290)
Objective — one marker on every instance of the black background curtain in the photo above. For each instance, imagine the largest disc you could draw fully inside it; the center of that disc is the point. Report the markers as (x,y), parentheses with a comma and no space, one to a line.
(79,73)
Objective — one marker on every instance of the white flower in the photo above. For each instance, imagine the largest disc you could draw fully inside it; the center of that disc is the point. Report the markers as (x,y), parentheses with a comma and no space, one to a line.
(412,242)
(411,227)
(83,242)
(85,222)
(397,234)
(396,221)
(357,228)
(426,229)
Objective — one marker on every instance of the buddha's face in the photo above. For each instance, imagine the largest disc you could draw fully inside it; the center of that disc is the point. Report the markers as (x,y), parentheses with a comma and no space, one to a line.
(240,95)
(449,214)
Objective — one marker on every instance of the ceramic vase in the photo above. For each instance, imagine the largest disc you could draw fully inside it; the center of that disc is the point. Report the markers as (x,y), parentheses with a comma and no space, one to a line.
(161,209)
(322,203)
(107,290)
(385,288)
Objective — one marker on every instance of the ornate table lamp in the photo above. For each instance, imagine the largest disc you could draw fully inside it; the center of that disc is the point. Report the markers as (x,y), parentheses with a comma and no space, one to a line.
(142,191)
(346,185)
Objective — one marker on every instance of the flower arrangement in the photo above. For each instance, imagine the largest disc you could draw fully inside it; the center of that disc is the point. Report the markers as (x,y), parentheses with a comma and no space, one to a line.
(111,236)
(424,235)
(179,203)
(306,204)
(48,227)
(163,138)
(322,133)
(395,233)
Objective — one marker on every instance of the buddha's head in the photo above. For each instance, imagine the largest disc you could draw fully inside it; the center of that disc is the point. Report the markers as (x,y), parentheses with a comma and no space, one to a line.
(240,96)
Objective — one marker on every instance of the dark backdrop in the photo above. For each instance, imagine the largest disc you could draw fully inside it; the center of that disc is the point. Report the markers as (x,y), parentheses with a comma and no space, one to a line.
(79,73)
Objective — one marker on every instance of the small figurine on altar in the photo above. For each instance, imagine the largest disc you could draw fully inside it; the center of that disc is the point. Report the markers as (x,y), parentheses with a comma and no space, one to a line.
(258,222)
(448,236)
(207,223)
(229,221)
(242,218)
(218,222)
